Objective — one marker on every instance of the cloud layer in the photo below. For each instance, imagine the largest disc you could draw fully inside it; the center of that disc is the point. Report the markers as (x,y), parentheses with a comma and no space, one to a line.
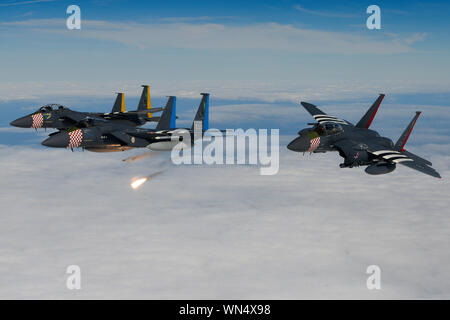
(219,232)
(215,36)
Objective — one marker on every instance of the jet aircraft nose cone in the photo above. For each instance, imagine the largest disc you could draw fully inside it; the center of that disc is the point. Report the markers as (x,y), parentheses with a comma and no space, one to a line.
(24,122)
(299,144)
(59,140)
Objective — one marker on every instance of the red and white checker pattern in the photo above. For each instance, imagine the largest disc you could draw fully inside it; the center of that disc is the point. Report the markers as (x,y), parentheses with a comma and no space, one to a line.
(76,137)
(38,120)
(314,144)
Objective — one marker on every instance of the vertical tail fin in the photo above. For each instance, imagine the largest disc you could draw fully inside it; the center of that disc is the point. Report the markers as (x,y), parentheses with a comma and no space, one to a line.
(405,135)
(145,102)
(119,105)
(367,119)
(168,116)
(203,112)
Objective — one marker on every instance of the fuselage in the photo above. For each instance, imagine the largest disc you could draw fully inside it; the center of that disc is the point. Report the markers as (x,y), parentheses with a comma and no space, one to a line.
(113,137)
(63,118)
(323,138)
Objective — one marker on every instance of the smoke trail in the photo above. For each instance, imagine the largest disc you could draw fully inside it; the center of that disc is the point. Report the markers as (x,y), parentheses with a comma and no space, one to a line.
(138,182)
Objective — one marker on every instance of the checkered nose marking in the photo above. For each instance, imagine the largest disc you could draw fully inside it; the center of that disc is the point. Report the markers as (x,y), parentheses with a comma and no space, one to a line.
(76,137)
(38,120)
(314,144)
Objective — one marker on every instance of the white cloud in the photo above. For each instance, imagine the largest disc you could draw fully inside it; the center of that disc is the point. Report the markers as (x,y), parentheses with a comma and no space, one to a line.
(215,36)
(19,3)
(199,232)
(330,14)
(269,91)
(190,19)
(415,37)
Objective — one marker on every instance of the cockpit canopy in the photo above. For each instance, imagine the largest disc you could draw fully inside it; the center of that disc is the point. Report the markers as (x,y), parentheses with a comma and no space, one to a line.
(51,107)
(328,128)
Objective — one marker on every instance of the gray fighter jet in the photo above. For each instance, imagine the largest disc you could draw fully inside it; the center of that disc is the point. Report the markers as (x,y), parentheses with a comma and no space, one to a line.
(357,144)
(107,136)
(59,117)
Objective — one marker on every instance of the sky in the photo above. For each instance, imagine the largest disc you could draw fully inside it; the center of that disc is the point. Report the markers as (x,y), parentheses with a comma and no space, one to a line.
(250,49)
(225,232)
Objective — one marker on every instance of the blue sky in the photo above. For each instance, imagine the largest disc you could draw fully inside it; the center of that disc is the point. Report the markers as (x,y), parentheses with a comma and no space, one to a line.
(273,45)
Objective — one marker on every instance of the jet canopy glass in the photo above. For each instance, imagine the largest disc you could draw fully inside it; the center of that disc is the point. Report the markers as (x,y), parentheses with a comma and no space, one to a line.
(51,107)
(328,128)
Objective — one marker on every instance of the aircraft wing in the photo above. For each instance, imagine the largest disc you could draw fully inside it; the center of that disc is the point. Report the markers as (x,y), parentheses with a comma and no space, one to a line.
(122,136)
(405,158)
(128,139)
(125,113)
(75,117)
(422,167)
(320,116)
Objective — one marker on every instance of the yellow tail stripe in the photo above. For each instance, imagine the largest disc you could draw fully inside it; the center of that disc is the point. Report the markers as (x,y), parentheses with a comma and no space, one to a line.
(122,103)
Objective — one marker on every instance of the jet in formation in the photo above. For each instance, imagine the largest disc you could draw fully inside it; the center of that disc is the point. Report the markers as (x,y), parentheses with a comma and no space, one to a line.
(56,116)
(357,144)
(110,136)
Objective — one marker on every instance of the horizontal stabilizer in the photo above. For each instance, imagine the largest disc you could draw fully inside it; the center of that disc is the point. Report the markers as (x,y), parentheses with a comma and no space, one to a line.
(367,119)
(153,119)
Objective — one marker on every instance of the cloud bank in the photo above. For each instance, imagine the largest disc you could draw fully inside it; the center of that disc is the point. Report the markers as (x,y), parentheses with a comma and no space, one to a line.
(219,232)
(215,36)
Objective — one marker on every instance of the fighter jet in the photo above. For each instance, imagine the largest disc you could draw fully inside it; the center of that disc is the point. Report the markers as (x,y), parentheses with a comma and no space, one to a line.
(59,117)
(103,136)
(357,144)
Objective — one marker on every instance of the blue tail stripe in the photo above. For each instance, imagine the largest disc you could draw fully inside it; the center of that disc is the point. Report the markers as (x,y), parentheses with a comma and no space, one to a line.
(206,120)
(173,117)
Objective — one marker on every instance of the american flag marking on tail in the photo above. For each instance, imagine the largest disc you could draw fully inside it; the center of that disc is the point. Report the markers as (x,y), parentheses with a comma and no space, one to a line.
(38,120)
(314,144)
(76,137)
